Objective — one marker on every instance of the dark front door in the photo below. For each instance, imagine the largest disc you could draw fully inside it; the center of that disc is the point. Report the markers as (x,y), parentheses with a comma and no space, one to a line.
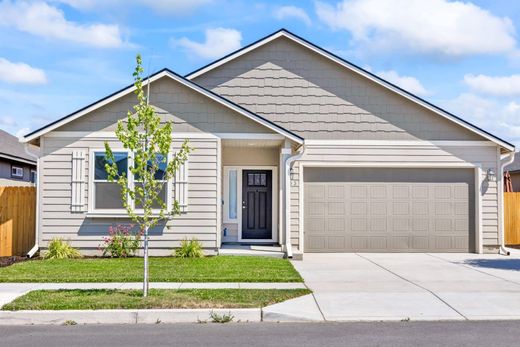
(257,203)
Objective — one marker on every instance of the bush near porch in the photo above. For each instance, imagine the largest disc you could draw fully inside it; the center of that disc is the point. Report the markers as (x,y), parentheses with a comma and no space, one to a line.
(163,269)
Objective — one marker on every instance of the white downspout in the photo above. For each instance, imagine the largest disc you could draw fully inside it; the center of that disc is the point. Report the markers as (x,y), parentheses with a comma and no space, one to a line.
(35,248)
(288,162)
(508,159)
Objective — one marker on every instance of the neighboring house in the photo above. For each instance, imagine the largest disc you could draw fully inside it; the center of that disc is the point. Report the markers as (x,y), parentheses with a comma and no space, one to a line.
(17,167)
(293,146)
(514,172)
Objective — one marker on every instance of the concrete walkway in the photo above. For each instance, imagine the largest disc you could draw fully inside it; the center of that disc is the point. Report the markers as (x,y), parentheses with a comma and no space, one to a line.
(10,291)
(359,287)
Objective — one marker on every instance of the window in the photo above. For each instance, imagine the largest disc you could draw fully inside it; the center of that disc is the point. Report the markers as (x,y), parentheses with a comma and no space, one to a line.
(232,196)
(16,172)
(256,180)
(107,195)
(34,176)
(162,163)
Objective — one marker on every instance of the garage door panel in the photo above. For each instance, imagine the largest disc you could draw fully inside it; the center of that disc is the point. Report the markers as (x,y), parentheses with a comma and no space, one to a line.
(415,214)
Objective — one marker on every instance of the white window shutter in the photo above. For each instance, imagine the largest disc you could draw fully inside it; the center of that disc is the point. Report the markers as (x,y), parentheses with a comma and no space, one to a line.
(181,186)
(78,182)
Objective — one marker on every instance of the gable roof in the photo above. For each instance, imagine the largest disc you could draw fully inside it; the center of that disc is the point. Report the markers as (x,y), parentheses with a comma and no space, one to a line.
(12,149)
(352,67)
(160,74)
(515,165)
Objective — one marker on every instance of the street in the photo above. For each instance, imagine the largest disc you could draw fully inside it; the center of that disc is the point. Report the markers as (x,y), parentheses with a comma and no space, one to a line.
(496,333)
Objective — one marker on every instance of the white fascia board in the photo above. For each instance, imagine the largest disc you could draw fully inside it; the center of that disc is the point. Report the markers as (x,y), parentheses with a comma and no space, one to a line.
(14,158)
(358,71)
(377,143)
(181,80)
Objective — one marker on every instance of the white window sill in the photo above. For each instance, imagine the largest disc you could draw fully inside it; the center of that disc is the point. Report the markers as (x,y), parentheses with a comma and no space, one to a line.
(121,215)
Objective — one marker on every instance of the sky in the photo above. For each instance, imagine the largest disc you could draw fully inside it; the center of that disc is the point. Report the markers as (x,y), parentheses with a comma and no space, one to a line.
(58,56)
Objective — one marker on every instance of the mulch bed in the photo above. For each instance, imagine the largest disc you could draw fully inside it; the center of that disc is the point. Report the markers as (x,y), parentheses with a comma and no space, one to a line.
(6,261)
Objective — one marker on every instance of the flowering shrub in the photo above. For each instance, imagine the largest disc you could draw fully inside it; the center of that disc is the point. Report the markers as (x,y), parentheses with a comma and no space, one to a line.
(121,242)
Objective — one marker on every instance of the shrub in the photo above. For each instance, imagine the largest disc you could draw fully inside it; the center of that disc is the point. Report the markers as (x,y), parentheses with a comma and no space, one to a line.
(189,249)
(121,242)
(59,249)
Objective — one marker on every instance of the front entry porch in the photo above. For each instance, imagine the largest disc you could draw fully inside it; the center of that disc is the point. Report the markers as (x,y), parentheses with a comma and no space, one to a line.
(250,193)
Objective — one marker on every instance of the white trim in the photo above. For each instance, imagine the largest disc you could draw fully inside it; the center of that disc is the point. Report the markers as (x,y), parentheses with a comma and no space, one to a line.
(372,143)
(460,165)
(300,208)
(225,198)
(478,211)
(274,213)
(478,203)
(249,136)
(286,151)
(184,82)
(112,134)
(175,135)
(13,158)
(357,70)
(219,194)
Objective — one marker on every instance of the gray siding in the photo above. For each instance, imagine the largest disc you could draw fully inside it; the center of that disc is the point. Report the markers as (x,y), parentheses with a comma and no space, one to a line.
(486,156)
(188,110)
(5,173)
(57,220)
(319,99)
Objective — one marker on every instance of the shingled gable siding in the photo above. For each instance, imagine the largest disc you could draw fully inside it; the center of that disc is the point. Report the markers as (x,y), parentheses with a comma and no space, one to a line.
(192,114)
(318,99)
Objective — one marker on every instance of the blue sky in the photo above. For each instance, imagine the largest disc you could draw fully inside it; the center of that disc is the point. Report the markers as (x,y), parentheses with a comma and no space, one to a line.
(57,56)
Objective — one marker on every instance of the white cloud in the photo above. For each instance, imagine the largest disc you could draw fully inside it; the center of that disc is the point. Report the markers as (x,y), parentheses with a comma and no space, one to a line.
(286,12)
(8,121)
(168,6)
(22,132)
(494,85)
(408,83)
(41,19)
(218,42)
(499,118)
(20,73)
(437,27)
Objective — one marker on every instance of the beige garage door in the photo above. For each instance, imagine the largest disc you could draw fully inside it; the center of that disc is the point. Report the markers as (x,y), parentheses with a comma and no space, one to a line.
(389,210)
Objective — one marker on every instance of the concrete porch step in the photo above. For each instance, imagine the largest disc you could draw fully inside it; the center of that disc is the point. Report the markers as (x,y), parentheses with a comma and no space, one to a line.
(252,250)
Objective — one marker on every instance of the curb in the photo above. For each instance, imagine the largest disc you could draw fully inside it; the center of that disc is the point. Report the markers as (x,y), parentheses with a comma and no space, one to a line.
(51,317)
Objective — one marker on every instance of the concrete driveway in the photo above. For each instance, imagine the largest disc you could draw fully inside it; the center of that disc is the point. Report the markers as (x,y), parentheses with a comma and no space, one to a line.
(413,286)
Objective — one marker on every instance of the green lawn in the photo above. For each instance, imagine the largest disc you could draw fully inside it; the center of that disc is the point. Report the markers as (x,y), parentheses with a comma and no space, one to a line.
(209,269)
(158,298)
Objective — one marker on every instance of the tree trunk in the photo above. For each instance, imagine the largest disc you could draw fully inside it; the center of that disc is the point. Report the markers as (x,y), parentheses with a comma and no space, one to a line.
(145,277)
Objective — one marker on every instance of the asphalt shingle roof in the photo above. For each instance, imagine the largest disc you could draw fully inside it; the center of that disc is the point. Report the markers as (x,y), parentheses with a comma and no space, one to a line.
(10,146)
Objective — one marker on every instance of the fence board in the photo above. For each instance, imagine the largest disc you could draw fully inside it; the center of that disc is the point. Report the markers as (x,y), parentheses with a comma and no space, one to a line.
(17,220)
(512,218)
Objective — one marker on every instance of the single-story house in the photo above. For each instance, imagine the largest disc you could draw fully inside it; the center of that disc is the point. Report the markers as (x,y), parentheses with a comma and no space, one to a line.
(17,166)
(294,146)
(514,173)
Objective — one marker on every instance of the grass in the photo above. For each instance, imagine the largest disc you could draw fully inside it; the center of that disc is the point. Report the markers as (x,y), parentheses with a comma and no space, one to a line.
(97,299)
(209,269)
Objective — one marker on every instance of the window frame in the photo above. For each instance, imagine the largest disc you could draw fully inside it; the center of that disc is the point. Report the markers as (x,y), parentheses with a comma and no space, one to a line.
(226,204)
(118,212)
(14,175)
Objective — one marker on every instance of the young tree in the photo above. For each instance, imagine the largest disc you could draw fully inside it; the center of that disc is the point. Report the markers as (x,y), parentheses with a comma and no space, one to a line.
(149,143)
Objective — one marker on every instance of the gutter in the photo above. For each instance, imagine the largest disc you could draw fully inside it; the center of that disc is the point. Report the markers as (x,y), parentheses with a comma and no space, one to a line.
(288,163)
(503,163)
(36,246)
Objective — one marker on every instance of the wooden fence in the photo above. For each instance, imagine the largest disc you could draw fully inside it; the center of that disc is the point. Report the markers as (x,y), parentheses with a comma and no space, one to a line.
(512,218)
(17,220)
